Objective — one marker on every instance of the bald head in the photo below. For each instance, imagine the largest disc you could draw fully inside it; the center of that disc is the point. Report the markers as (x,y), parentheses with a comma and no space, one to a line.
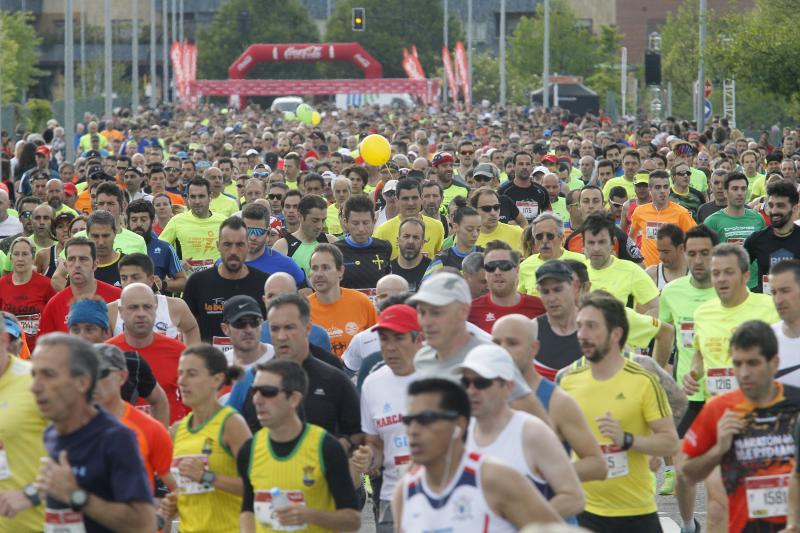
(390,285)
(277,284)
(519,335)
(137,308)
(420,163)
(135,291)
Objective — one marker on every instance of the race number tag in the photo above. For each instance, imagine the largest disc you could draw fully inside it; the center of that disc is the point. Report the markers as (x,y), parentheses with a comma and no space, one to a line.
(767,289)
(5,468)
(198,265)
(616,460)
(224,345)
(528,209)
(687,334)
(186,485)
(29,323)
(651,230)
(63,521)
(372,294)
(720,381)
(265,513)
(767,496)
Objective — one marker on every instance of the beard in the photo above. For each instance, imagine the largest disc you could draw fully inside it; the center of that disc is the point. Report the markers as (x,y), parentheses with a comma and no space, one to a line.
(409,253)
(599,352)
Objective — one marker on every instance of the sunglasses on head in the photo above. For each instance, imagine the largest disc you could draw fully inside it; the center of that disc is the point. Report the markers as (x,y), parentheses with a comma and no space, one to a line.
(267,391)
(275,196)
(545,235)
(479,383)
(426,418)
(503,265)
(489,208)
(251,322)
(256,232)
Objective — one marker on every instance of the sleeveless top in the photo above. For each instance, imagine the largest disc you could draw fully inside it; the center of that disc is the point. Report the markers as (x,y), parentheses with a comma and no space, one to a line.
(301,475)
(163,324)
(461,506)
(507,446)
(661,280)
(52,264)
(204,508)
(301,251)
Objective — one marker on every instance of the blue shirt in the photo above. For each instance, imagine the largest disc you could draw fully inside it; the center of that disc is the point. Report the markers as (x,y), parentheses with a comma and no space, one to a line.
(317,336)
(105,460)
(165,260)
(272,261)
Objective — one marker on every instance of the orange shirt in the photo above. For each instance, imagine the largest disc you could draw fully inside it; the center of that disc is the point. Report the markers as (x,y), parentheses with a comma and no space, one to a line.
(154,441)
(83,204)
(353,312)
(647,220)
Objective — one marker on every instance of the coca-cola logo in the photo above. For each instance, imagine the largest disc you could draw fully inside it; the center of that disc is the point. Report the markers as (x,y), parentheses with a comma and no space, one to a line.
(361,59)
(244,62)
(307,52)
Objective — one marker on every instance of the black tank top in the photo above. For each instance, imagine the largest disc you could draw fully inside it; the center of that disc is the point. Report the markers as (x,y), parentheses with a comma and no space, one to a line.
(293,243)
(53,264)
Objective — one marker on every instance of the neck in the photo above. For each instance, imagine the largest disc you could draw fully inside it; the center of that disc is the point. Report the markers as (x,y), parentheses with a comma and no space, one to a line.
(738,298)
(391,211)
(489,426)
(86,289)
(791,327)
(20,278)
(463,250)
(604,264)
(506,301)
(608,366)
(531,376)
(255,255)
(330,296)
(488,228)
(304,237)
(697,284)
(139,342)
(115,406)
(76,419)
(201,413)
(454,344)
(227,274)
(247,357)
(767,395)
(721,201)
(409,264)
(42,241)
(104,260)
(660,207)
(682,190)
(566,324)
(679,269)
(784,230)
(439,473)
(287,431)
(3,216)
(293,227)
(734,211)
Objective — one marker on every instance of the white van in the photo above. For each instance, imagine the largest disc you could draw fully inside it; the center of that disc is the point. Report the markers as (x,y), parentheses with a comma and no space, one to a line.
(404,100)
(285,103)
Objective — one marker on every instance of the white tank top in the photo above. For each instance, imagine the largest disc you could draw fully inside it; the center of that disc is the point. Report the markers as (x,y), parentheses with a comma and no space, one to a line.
(163,323)
(507,447)
(461,506)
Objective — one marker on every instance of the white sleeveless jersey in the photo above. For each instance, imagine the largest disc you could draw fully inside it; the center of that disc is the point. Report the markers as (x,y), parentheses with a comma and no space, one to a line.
(507,447)
(163,323)
(461,507)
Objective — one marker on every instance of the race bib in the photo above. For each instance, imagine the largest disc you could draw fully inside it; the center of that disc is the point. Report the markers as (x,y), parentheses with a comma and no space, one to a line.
(766,288)
(720,381)
(186,485)
(224,345)
(651,230)
(198,265)
(5,468)
(63,521)
(372,294)
(616,460)
(265,513)
(29,323)
(687,334)
(528,209)
(767,496)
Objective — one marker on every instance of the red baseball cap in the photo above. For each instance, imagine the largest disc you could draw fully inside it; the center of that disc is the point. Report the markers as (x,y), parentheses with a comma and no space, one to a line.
(400,318)
(442,157)
(44,150)
(70,189)
(550,158)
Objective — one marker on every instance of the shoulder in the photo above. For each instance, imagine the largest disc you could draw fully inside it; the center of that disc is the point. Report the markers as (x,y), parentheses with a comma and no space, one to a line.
(167,343)
(674,285)
(353,295)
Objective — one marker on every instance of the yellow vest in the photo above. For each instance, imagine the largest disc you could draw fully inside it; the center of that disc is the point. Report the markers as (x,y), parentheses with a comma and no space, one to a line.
(301,475)
(202,508)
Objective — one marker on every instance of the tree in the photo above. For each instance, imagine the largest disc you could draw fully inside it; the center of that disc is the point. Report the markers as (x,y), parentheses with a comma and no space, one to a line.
(390,27)
(240,23)
(19,54)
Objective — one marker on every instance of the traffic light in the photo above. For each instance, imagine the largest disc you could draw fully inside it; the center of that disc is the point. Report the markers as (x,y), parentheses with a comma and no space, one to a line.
(358,19)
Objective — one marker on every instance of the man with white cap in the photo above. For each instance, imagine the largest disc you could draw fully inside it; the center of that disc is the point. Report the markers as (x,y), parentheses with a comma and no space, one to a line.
(383,401)
(443,303)
(522,440)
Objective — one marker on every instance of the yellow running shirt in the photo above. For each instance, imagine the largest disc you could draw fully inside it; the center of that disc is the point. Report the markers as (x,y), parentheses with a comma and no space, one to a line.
(623,279)
(194,238)
(224,205)
(635,398)
(528,268)
(434,235)
(503,232)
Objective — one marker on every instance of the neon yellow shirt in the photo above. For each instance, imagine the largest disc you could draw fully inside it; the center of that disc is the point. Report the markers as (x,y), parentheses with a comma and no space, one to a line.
(224,205)
(503,232)
(619,181)
(332,220)
(434,235)
(528,268)
(126,241)
(197,237)
(623,279)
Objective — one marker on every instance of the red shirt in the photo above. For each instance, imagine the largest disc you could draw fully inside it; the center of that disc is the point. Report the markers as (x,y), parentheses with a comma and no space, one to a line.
(484,312)
(54,316)
(162,355)
(153,439)
(26,302)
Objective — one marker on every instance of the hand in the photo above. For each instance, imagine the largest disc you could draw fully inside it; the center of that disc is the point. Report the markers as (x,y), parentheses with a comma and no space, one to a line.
(56,478)
(13,502)
(729,424)
(655,464)
(186,266)
(690,384)
(293,514)
(158,283)
(610,428)
(169,506)
(192,468)
(361,459)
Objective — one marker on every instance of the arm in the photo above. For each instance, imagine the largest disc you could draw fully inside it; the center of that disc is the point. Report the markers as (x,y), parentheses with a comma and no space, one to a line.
(663,343)
(521,221)
(513,497)
(675,396)
(41,260)
(573,427)
(690,383)
(397,506)
(159,405)
(544,453)
(59,279)
(235,434)
(376,443)
(649,308)
(531,404)
(662,440)
(133,517)
(793,516)
(625,224)
(184,321)
(696,469)
(176,283)
(247,522)
(652,271)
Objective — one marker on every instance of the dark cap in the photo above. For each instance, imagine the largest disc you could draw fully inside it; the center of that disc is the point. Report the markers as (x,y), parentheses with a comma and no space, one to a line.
(554,269)
(240,306)
(486,169)
(110,357)
(93,154)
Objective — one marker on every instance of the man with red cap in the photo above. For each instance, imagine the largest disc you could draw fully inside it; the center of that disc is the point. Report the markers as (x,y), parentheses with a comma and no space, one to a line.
(42,163)
(443,166)
(383,401)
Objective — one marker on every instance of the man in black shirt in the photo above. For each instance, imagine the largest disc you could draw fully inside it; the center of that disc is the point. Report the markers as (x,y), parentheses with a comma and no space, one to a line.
(365,257)
(410,263)
(467,228)
(779,241)
(529,197)
(207,291)
(280,387)
(718,199)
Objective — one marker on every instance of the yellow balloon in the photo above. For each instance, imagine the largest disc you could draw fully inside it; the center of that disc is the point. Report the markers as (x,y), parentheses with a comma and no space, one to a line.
(315,118)
(375,150)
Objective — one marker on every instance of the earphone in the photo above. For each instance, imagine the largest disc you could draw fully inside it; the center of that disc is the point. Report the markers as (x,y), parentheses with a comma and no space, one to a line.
(456,432)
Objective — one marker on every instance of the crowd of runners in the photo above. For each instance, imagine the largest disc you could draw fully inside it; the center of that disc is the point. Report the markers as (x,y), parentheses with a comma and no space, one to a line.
(218,320)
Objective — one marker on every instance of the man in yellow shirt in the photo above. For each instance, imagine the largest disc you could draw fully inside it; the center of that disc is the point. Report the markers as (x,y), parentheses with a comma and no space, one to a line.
(221,203)
(631,162)
(648,218)
(409,201)
(548,233)
(487,202)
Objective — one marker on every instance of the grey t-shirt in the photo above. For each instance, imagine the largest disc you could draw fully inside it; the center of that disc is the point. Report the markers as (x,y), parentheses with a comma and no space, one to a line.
(428,365)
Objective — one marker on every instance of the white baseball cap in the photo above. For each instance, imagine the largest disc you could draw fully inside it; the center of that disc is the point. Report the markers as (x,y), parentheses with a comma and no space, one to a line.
(489,361)
(443,289)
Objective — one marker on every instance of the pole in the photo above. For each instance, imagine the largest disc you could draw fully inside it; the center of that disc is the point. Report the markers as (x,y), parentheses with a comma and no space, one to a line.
(107,49)
(69,79)
(546,58)
(623,82)
(701,76)
(1,109)
(165,50)
(174,38)
(180,20)
(669,98)
(469,43)
(444,76)
(153,97)
(502,52)
(135,58)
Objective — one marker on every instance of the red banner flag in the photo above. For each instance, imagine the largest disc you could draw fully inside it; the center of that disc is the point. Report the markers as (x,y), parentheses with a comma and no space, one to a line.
(463,73)
(451,77)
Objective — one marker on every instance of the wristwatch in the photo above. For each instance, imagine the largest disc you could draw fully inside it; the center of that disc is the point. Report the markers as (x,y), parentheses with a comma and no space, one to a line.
(78,500)
(32,494)
(208,478)
(627,441)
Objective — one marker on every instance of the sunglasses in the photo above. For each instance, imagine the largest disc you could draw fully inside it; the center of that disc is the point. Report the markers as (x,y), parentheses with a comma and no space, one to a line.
(104,373)
(267,391)
(615,204)
(253,323)
(490,208)
(480,383)
(503,265)
(468,153)
(275,196)
(172,169)
(684,173)
(548,235)
(260,174)
(256,232)
(482,178)
(25,214)
(426,418)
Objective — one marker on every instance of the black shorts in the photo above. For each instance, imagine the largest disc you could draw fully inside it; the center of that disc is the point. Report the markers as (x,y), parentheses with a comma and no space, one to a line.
(645,523)
(688,417)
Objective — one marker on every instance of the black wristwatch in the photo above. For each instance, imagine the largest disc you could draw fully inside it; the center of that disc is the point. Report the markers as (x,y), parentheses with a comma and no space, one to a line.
(32,494)
(78,500)
(208,478)
(627,441)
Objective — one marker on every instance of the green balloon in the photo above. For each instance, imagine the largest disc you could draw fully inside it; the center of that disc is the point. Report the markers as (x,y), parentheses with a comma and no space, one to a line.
(304,113)
(288,116)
